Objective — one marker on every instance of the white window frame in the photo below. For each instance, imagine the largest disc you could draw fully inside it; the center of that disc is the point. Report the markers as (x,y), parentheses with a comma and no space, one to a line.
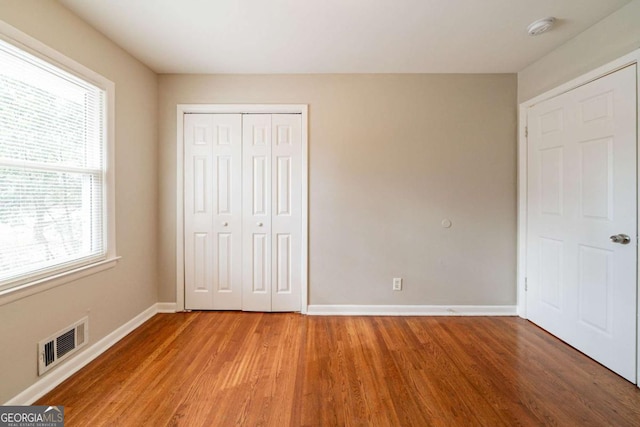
(38,283)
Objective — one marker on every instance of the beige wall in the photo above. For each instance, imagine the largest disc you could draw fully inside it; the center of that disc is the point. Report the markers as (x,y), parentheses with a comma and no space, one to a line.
(113,297)
(390,157)
(611,38)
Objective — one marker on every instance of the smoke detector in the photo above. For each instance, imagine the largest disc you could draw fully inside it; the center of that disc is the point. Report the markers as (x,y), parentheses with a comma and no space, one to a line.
(541,26)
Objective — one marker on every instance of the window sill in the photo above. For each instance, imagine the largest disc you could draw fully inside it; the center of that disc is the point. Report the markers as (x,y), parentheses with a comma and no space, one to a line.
(10,295)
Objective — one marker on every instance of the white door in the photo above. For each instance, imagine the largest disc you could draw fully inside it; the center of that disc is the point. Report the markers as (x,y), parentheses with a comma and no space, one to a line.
(272,227)
(243,211)
(256,170)
(213,211)
(581,192)
(286,211)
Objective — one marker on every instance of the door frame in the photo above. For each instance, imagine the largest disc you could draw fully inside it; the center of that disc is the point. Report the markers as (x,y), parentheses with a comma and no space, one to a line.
(611,67)
(183,109)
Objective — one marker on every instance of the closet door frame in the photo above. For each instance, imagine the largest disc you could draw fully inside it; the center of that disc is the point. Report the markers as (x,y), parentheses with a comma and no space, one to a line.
(183,109)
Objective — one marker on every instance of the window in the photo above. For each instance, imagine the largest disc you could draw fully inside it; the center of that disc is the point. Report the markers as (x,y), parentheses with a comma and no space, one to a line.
(54,186)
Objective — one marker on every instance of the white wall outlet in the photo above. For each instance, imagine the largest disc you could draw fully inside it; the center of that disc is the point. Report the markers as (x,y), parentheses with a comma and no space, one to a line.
(397,283)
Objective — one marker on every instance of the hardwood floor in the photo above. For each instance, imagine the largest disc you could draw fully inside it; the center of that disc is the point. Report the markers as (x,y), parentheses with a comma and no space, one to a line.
(250,369)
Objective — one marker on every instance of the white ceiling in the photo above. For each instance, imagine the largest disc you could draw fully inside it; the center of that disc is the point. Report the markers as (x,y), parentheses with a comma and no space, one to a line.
(338,36)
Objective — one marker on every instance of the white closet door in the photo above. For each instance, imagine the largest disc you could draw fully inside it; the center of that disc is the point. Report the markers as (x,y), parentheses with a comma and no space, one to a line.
(256,171)
(213,211)
(582,190)
(198,206)
(227,211)
(286,207)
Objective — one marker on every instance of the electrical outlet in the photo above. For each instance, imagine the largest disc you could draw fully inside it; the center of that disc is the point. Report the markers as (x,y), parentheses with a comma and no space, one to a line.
(397,283)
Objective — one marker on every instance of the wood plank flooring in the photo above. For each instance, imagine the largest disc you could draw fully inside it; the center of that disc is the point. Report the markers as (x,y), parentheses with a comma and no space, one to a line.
(255,369)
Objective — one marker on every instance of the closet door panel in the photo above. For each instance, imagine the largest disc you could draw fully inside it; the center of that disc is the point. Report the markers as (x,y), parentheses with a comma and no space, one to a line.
(257,232)
(286,160)
(227,211)
(198,207)
(213,211)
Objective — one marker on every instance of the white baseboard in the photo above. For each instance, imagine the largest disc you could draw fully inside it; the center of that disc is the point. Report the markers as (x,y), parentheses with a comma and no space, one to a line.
(166,307)
(411,310)
(52,379)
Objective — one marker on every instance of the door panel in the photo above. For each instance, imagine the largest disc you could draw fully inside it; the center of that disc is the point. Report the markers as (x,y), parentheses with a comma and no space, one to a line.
(224,183)
(224,262)
(198,236)
(283,263)
(551,268)
(596,178)
(201,272)
(259,265)
(213,221)
(286,211)
(551,173)
(283,186)
(581,191)
(227,218)
(256,152)
(259,185)
(595,283)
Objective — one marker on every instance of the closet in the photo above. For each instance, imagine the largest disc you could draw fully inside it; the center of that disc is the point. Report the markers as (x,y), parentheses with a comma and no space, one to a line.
(243,207)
